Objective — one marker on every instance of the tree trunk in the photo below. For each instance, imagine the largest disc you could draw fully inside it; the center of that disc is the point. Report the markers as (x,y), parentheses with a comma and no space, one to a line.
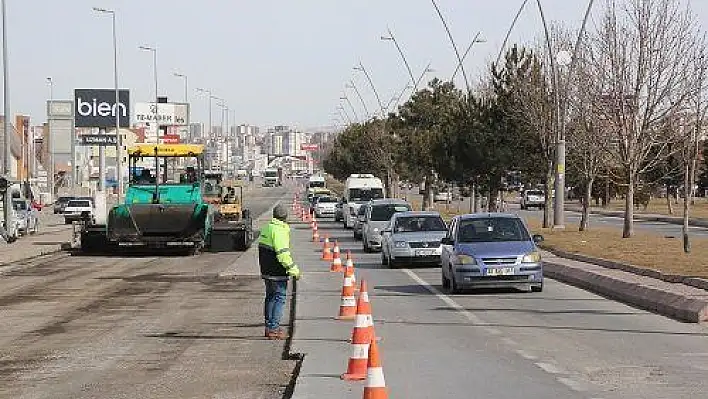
(585,218)
(424,204)
(475,193)
(473,197)
(668,200)
(606,199)
(687,194)
(628,230)
(548,207)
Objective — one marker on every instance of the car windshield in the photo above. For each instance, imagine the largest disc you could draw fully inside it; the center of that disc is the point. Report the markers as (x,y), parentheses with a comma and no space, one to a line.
(19,205)
(419,223)
(327,199)
(493,229)
(317,183)
(362,210)
(382,213)
(64,199)
(365,194)
(535,192)
(79,204)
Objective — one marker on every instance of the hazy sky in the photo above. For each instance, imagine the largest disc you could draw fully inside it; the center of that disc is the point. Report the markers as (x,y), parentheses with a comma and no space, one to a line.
(274,61)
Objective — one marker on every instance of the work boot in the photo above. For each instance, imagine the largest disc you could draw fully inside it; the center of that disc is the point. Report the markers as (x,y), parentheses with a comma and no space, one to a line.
(281,334)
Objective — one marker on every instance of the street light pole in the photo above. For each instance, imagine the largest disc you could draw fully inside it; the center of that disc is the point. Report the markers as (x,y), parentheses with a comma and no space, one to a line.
(454,46)
(186,101)
(361,68)
(476,39)
(209,97)
(119,138)
(392,38)
(361,99)
(345,98)
(154,64)
(7,166)
(50,171)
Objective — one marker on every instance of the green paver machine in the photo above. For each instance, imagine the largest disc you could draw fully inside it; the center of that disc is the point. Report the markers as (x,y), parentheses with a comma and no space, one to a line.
(164,205)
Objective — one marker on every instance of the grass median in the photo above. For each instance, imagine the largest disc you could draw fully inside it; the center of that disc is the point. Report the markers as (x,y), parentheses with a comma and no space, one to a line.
(658,206)
(643,250)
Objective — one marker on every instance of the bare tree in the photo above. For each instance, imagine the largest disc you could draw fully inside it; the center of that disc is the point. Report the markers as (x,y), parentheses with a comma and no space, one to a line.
(642,57)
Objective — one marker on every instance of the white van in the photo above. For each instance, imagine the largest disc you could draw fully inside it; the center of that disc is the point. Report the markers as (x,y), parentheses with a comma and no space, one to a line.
(359,189)
(314,183)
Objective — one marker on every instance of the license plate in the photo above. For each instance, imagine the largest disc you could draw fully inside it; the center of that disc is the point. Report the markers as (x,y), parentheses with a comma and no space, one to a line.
(500,271)
(425,252)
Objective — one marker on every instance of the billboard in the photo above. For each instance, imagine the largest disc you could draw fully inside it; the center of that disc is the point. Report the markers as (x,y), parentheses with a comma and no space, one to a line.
(309,147)
(170,139)
(98,108)
(168,114)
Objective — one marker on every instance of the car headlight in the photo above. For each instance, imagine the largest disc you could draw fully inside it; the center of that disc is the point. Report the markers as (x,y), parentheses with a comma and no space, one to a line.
(376,229)
(533,257)
(400,244)
(465,260)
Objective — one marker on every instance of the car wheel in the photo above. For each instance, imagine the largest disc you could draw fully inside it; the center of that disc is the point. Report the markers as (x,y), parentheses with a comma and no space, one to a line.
(393,263)
(367,249)
(445,281)
(454,289)
(537,288)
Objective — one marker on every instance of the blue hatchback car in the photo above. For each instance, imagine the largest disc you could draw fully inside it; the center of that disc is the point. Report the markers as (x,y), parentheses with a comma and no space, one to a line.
(491,250)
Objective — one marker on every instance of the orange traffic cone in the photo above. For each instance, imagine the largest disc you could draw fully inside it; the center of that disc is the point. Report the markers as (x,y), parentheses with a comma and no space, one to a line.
(361,338)
(349,267)
(313,223)
(375,387)
(347,307)
(335,250)
(326,241)
(326,253)
(315,235)
(337,260)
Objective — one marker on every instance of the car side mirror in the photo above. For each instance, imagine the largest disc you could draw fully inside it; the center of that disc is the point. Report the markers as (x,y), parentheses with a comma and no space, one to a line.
(537,238)
(448,241)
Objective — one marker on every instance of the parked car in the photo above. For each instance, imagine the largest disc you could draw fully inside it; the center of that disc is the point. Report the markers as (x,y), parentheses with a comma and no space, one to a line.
(533,198)
(413,237)
(490,251)
(78,209)
(338,212)
(25,216)
(443,196)
(325,206)
(359,222)
(61,202)
(377,218)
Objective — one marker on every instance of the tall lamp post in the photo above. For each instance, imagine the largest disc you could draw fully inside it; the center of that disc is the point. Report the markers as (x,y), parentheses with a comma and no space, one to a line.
(351,85)
(209,98)
(7,166)
(153,50)
(119,138)
(361,68)
(186,101)
(344,97)
(392,38)
(50,171)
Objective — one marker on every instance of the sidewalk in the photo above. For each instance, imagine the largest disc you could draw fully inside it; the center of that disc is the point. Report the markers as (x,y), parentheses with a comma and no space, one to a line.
(52,233)
(676,300)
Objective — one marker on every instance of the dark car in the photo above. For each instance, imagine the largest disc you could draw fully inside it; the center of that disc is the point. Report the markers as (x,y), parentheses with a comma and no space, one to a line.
(61,202)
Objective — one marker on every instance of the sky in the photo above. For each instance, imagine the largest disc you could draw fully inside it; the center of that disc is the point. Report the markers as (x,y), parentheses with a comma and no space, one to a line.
(274,62)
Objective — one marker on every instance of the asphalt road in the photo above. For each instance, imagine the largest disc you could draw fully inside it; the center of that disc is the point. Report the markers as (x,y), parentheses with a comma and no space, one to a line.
(561,343)
(138,327)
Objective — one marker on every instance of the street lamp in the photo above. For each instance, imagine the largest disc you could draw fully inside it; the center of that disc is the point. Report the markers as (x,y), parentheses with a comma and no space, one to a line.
(392,38)
(476,39)
(119,139)
(209,97)
(50,172)
(153,50)
(186,101)
(361,68)
(343,113)
(351,85)
(345,98)
(7,165)
(454,46)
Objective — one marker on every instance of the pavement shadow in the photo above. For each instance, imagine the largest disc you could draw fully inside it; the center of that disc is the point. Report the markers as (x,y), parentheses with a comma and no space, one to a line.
(206,337)
(415,289)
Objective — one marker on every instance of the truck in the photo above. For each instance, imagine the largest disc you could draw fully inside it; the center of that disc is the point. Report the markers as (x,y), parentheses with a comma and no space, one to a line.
(359,189)
(273,177)
(164,208)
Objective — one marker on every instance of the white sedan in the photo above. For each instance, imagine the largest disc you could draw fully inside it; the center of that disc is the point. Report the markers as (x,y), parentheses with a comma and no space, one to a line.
(325,206)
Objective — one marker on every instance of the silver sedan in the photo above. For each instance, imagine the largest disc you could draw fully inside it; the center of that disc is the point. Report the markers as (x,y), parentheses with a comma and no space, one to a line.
(413,238)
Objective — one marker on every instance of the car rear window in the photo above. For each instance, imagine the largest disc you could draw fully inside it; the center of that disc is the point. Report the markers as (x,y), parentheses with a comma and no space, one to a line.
(383,213)
(419,223)
(327,199)
(535,192)
(79,203)
(493,229)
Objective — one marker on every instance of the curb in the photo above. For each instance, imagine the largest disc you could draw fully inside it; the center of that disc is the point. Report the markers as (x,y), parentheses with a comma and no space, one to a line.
(665,303)
(669,278)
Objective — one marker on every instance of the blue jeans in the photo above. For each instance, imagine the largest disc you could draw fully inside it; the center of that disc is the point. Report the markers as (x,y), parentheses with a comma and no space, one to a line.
(276,290)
